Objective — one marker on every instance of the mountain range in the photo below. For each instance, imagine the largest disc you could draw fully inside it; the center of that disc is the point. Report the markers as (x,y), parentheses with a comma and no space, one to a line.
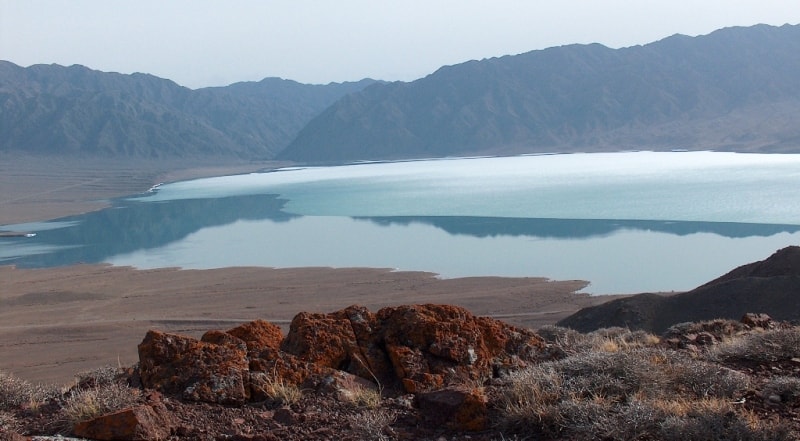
(736,89)
(78,111)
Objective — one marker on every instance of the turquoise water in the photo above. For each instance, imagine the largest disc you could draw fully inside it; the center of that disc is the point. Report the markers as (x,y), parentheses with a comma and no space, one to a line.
(626,222)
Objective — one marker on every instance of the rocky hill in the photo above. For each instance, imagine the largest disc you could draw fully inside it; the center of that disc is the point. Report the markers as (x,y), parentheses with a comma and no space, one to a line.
(51,109)
(734,89)
(771,286)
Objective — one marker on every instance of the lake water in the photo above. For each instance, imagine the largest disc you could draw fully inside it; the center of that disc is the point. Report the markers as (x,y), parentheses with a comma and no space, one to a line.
(626,222)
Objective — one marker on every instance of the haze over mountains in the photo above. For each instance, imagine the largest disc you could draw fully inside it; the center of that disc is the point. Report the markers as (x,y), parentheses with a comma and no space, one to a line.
(735,89)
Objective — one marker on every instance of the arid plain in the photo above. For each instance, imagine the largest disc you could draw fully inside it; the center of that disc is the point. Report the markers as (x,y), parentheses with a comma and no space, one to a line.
(57,322)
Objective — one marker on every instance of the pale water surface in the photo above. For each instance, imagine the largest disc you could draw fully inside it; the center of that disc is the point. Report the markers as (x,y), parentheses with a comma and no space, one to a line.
(627,222)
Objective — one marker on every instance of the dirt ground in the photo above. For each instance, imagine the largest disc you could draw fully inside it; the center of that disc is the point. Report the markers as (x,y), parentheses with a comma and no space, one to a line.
(57,322)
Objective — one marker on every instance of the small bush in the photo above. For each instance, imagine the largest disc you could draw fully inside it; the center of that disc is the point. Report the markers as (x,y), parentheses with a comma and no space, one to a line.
(85,404)
(769,346)
(708,380)
(99,377)
(373,424)
(277,390)
(720,328)
(15,392)
(8,423)
(721,425)
(786,388)
(364,397)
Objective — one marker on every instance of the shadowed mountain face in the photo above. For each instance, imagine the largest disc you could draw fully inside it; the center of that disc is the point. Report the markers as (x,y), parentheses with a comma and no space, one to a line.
(51,109)
(771,286)
(735,89)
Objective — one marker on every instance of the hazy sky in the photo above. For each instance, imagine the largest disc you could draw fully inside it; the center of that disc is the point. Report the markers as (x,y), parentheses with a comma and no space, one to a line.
(210,43)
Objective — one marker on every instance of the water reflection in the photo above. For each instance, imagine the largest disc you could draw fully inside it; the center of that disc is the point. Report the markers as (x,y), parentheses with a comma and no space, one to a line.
(130,225)
(579,228)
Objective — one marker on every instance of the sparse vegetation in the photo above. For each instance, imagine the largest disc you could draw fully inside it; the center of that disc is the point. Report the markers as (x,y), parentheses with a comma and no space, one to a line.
(85,404)
(622,386)
(276,390)
(364,397)
(612,384)
(373,424)
(767,346)
(15,392)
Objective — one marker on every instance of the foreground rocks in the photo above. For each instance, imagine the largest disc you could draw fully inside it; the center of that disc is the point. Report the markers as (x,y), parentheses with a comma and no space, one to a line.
(416,348)
(435,372)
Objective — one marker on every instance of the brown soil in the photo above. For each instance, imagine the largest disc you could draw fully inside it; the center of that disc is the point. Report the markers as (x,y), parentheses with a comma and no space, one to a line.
(57,322)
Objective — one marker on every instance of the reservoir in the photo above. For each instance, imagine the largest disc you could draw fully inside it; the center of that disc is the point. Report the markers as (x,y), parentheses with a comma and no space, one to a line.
(626,222)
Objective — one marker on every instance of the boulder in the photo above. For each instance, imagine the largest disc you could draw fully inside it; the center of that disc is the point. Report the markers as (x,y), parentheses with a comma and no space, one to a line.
(457,408)
(347,340)
(752,320)
(433,345)
(146,422)
(196,370)
(258,335)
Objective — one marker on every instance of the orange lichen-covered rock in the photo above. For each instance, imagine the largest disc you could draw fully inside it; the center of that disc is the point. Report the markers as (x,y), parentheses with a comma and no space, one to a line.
(197,370)
(277,365)
(258,335)
(146,422)
(431,345)
(347,340)
(325,339)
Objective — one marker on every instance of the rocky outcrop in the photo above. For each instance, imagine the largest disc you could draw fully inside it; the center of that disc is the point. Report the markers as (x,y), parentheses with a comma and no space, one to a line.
(214,371)
(414,348)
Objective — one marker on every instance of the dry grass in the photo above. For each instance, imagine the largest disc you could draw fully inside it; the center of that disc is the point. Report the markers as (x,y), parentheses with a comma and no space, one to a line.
(363,397)
(571,342)
(786,389)
(621,388)
(15,392)
(8,423)
(768,346)
(373,424)
(85,404)
(278,391)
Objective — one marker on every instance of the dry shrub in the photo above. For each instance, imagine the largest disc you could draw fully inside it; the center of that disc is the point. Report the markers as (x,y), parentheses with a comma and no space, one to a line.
(786,388)
(373,424)
(99,377)
(768,346)
(708,380)
(619,395)
(721,425)
(277,390)
(16,392)
(719,327)
(85,404)
(363,397)
(8,423)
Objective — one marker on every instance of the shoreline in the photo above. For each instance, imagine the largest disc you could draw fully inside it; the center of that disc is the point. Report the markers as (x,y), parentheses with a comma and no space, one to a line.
(56,322)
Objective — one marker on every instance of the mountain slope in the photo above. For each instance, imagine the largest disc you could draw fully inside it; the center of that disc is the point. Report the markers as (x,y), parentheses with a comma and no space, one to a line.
(735,89)
(76,110)
(770,286)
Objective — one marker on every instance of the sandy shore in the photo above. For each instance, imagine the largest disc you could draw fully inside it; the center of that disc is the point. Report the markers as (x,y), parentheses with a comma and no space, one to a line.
(57,322)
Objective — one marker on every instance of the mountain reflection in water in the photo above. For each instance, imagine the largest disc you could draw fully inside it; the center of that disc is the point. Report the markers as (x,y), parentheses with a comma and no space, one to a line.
(131,225)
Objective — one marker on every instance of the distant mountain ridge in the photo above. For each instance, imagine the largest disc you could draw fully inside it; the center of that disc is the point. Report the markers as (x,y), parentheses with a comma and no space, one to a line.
(51,109)
(734,89)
